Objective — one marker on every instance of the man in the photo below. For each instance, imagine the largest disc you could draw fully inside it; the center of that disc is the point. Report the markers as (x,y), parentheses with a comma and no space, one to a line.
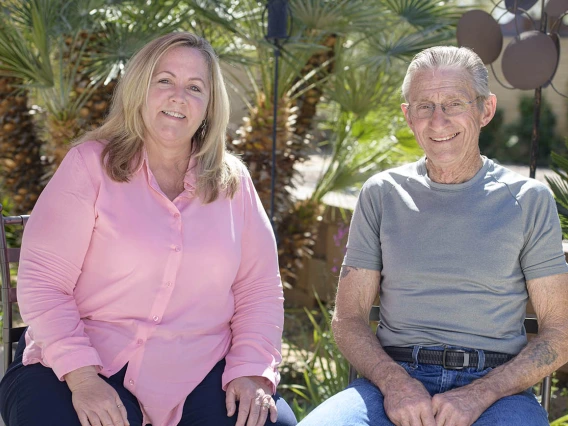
(454,244)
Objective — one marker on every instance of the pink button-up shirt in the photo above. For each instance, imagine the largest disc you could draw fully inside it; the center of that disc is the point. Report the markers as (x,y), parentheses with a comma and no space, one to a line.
(114,273)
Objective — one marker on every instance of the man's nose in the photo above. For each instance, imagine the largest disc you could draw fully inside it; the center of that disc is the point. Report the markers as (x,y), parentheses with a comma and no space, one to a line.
(439,117)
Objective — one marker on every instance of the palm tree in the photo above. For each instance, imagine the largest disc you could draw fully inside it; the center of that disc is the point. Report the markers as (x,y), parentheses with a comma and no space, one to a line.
(68,54)
(322,30)
(21,166)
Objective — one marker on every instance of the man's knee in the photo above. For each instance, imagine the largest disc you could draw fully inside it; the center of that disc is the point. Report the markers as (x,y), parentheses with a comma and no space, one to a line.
(519,409)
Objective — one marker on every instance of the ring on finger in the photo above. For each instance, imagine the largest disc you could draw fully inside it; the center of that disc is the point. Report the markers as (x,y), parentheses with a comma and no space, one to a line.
(265,404)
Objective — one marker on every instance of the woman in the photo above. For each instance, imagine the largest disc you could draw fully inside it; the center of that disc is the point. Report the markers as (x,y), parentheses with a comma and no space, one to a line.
(148,274)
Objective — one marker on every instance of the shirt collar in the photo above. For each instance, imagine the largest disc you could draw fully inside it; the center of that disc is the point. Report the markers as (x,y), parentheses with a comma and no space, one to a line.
(189,180)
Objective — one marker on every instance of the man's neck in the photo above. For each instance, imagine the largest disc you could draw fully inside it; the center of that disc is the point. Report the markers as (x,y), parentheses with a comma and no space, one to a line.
(456,174)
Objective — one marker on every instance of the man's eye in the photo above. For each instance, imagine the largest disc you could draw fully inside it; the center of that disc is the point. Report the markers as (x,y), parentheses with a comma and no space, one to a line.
(423,106)
(455,104)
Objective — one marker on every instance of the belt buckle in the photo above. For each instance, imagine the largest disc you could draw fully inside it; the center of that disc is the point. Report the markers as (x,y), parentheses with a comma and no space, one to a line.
(465,359)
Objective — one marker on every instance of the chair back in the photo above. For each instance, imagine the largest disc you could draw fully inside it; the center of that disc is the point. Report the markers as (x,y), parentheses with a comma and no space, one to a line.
(531,327)
(9,255)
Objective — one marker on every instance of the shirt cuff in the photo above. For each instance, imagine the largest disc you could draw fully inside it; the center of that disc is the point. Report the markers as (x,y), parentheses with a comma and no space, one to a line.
(77,359)
(269,373)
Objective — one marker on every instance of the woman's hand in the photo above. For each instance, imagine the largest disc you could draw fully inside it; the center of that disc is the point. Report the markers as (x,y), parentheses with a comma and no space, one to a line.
(255,400)
(94,400)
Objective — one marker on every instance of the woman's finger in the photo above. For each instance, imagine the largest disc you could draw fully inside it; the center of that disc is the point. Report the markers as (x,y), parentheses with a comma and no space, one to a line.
(264,409)
(83,419)
(106,419)
(273,410)
(94,419)
(255,409)
(123,412)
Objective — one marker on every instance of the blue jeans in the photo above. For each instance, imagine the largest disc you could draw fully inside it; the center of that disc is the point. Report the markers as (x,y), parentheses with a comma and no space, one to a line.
(361,403)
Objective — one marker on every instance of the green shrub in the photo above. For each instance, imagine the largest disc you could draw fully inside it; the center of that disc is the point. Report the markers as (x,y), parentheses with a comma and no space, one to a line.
(512,143)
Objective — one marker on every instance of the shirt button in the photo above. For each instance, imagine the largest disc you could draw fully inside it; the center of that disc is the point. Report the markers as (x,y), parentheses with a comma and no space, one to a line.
(176,215)
(169,283)
(140,341)
(177,248)
(155,318)
(131,382)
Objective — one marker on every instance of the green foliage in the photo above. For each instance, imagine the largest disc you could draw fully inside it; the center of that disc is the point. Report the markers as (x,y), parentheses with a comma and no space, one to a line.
(511,143)
(325,371)
(562,421)
(367,131)
(13,238)
(559,186)
(492,138)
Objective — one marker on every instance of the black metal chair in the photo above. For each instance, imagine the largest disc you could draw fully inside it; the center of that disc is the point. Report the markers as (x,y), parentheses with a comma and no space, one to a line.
(531,326)
(8,255)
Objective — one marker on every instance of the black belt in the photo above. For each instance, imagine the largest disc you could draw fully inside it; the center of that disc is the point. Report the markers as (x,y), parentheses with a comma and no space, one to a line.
(451,359)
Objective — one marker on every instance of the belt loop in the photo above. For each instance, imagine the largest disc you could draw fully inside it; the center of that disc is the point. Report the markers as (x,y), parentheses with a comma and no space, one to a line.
(415,351)
(480,359)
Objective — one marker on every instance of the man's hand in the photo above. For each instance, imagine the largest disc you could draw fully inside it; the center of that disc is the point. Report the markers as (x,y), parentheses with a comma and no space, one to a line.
(255,400)
(94,400)
(458,407)
(408,403)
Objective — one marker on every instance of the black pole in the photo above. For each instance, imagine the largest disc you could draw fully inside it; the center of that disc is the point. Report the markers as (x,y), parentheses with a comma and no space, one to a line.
(274,130)
(536,112)
(535,131)
(277,30)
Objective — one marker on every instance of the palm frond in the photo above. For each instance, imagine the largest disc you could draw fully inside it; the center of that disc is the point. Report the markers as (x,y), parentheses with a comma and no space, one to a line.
(422,14)
(384,50)
(337,16)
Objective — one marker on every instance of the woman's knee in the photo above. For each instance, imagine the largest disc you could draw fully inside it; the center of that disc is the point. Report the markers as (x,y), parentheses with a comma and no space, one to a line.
(286,416)
(32,395)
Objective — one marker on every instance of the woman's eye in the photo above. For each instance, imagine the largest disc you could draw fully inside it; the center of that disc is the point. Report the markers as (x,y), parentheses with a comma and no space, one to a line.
(164,81)
(195,88)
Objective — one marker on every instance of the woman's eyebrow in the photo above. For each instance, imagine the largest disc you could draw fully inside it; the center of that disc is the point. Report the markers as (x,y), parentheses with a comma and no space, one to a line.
(173,75)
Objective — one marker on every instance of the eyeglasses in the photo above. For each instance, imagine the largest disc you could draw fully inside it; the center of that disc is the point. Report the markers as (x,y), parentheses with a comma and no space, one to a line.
(451,108)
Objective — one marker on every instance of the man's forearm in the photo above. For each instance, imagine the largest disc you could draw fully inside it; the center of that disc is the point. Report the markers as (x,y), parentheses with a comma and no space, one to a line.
(543,355)
(362,349)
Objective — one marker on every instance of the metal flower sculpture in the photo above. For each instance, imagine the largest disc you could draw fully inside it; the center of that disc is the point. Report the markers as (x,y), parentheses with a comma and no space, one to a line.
(530,60)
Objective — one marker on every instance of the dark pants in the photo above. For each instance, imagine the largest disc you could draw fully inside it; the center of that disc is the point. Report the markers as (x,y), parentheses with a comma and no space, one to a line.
(32,395)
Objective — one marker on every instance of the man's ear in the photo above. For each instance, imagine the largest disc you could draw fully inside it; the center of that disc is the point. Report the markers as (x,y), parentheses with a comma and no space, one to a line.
(489,108)
(406,112)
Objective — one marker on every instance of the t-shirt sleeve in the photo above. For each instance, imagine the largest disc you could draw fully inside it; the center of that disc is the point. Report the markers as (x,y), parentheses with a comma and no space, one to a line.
(542,254)
(364,244)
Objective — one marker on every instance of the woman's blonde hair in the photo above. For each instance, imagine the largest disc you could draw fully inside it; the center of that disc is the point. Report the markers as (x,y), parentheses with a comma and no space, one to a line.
(124,128)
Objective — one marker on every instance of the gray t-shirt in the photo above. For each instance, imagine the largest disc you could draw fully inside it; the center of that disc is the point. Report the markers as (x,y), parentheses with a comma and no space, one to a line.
(454,258)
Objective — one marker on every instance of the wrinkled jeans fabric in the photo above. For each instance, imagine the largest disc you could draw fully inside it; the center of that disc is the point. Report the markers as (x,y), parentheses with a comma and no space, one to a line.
(361,403)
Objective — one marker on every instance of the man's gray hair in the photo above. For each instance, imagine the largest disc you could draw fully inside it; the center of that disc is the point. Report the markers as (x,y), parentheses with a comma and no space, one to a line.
(445,57)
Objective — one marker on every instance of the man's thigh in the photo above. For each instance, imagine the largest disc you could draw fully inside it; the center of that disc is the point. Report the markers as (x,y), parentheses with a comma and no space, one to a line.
(519,409)
(360,404)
